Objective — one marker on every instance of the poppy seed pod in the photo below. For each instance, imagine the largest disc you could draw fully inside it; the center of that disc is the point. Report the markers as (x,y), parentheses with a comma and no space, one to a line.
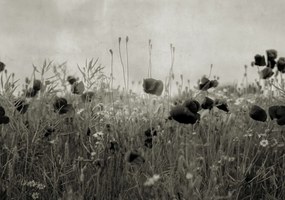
(259,60)
(183,115)
(266,73)
(2,66)
(59,103)
(4,120)
(257,113)
(153,86)
(21,106)
(207,103)
(77,88)
(87,96)
(37,85)
(271,54)
(192,105)
(71,80)
(204,84)
(2,111)
(281,64)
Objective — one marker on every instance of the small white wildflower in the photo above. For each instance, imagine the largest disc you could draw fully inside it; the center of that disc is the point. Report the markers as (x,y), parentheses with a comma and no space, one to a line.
(80,111)
(189,175)
(264,143)
(194,133)
(261,135)
(41,186)
(231,159)
(98,135)
(152,180)
(93,153)
(35,195)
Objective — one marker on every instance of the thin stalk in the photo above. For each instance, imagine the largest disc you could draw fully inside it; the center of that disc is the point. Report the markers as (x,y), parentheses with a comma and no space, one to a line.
(122,63)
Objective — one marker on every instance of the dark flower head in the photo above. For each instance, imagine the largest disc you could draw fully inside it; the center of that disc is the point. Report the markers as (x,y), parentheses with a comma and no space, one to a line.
(2,111)
(135,158)
(222,105)
(77,88)
(183,115)
(2,66)
(192,105)
(66,109)
(153,86)
(87,96)
(207,103)
(37,85)
(4,120)
(71,80)
(205,84)
(214,83)
(113,146)
(281,64)
(21,106)
(148,142)
(88,132)
(150,132)
(277,112)
(257,113)
(271,63)
(31,93)
(271,54)
(59,103)
(49,131)
(266,73)
(259,60)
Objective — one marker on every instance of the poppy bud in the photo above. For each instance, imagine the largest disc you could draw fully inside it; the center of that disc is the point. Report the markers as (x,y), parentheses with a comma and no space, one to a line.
(71,80)
(257,113)
(182,115)
(37,85)
(222,106)
(192,105)
(207,103)
(2,111)
(266,73)
(271,54)
(259,60)
(4,120)
(2,66)
(281,64)
(153,86)
(204,84)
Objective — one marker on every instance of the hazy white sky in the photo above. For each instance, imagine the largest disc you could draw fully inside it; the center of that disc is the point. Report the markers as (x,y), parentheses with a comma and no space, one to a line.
(226,33)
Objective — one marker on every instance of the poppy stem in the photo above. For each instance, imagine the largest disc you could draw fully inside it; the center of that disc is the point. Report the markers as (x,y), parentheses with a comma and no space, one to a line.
(122,63)
(150,64)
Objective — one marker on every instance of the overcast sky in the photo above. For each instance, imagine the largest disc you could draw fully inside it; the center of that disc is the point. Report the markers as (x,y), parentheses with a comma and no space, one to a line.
(224,33)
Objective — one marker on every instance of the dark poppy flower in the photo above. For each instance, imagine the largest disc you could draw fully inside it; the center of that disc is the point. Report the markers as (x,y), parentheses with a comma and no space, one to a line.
(71,80)
(208,103)
(183,115)
(259,60)
(68,108)
(21,106)
(214,83)
(2,111)
(135,157)
(222,105)
(4,120)
(281,64)
(153,86)
(277,112)
(150,132)
(59,103)
(271,63)
(77,88)
(2,66)
(257,113)
(205,84)
(192,105)
(88,132)
(87,96)
(271,54)
(281,121)
(266,73)
(37,85)
(31,93)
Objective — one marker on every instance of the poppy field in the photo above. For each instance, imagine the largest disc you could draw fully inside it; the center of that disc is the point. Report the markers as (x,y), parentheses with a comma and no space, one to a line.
(80,137)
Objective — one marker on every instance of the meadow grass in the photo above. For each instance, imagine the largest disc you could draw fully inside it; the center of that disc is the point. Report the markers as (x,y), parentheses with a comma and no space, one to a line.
(100,151)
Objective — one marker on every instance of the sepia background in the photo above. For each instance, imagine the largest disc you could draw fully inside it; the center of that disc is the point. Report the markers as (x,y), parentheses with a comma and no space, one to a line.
(226,34)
